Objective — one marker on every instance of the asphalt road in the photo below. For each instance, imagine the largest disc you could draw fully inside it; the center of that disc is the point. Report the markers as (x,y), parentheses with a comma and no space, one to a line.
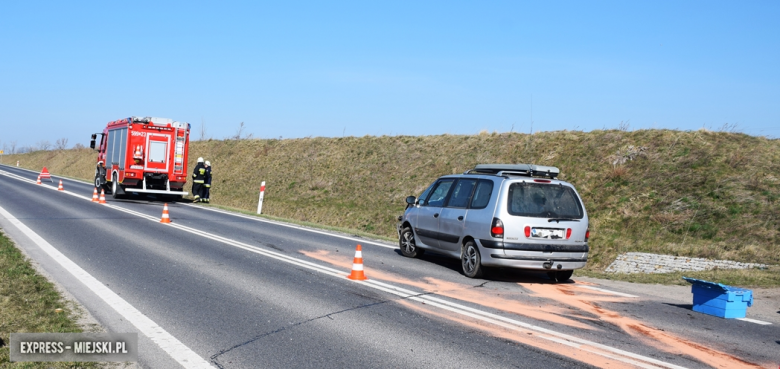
(238,291)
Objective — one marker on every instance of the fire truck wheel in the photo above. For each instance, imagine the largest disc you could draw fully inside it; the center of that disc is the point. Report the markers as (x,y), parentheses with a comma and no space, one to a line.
(115,187)
(97,182)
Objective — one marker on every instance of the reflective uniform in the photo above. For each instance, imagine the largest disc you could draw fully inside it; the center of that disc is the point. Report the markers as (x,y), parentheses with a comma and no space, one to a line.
(100,173)
(198,179)
(207,185)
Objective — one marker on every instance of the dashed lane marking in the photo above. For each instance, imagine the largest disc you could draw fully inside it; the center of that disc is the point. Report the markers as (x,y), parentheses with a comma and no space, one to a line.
(754,321)
(608,291)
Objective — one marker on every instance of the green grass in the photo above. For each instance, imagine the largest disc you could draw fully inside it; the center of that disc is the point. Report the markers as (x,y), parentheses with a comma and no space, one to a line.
(694,193)
(27,305)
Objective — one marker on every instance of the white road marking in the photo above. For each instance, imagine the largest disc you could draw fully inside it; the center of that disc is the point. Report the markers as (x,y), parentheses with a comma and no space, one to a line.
(754,321)
(459,309)
(177,350)
(258,219)
(606,291)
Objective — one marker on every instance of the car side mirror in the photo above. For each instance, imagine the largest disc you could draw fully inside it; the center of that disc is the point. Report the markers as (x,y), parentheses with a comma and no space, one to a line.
(410,200)
(92,143)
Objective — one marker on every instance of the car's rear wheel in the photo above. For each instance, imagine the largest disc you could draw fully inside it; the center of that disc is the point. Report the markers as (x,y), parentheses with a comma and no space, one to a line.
(471,260)
(560,276)
(408,246)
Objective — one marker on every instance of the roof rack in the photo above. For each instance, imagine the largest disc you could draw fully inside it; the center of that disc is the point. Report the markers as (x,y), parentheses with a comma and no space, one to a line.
(527,170)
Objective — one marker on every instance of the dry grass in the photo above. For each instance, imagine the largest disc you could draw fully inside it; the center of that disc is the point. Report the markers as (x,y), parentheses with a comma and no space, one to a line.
(27,305)
(748,278)
(698,194)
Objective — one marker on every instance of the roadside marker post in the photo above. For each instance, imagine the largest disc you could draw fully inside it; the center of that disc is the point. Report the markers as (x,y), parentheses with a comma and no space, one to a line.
(260,202)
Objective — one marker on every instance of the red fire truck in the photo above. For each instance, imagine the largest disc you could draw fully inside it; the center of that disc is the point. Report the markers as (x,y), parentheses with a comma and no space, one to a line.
(143,155)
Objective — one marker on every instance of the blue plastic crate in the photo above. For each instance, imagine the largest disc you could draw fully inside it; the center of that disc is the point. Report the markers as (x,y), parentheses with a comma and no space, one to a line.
(720,300)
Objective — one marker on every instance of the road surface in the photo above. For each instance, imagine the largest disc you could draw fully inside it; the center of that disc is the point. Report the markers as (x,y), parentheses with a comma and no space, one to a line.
(228,290)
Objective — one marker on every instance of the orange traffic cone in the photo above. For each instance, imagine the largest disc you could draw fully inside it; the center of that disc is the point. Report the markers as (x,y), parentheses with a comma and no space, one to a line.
(102,197)
(59,188)
(38,181)
(94,195)
(357,266)
(165,217)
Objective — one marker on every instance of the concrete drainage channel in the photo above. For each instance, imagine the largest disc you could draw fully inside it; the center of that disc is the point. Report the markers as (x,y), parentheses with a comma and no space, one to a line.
(639,262)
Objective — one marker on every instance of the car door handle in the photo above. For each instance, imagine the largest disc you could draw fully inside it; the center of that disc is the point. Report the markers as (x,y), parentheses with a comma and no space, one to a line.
(460,217)
(436,215)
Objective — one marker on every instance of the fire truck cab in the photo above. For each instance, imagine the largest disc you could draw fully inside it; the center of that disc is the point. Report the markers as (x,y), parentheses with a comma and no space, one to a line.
(144,155)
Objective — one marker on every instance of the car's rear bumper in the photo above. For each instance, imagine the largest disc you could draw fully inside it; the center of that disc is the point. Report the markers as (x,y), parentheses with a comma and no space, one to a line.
(538,257)
(538,262)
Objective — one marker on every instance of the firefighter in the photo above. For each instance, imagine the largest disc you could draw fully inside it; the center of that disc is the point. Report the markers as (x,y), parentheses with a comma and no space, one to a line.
(198,178)
(100,174)
(207,184)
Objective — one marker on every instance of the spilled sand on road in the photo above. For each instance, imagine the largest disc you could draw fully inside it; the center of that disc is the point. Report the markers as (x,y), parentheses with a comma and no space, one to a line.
(462,292)
(657,338)
(522,336)
(582,304)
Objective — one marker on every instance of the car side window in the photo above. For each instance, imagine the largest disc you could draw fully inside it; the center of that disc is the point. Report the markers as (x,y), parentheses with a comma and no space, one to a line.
(461,193)
(439,193)
(482,194)
(424,194)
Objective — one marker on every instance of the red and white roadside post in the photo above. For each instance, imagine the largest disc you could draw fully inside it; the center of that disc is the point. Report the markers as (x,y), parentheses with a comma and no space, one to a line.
(17,163)
(260,202)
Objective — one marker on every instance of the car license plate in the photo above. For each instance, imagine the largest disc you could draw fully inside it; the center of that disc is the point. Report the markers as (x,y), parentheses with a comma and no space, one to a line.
(549,233)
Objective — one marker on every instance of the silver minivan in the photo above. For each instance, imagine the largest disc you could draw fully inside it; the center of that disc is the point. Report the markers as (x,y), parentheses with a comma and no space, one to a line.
(500,215)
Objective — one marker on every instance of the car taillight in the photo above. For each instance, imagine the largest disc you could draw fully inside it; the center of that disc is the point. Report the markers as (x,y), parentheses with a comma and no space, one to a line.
(568,233)
(497,228)
(587,235)
(527,231)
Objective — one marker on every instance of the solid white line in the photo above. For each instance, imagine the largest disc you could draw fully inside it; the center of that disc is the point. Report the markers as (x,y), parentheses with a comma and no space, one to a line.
(359,240)
(177,350)
(258,219)
(606,291)
(623,356)
(754,321)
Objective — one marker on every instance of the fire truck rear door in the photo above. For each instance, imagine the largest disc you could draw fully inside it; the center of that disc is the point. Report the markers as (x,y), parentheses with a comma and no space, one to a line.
(157,145)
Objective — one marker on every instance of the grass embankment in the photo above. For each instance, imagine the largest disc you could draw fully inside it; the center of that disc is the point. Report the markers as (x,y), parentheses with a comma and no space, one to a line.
(697,194)
(29,304)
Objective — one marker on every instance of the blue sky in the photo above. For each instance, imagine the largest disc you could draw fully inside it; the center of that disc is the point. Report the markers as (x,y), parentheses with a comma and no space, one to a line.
(297,69)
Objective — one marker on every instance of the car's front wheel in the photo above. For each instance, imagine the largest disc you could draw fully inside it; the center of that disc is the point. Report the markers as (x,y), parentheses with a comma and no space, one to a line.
(471,260)
(406,242)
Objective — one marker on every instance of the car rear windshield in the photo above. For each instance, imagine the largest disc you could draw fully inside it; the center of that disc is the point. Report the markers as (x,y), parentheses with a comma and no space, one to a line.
(544,201)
